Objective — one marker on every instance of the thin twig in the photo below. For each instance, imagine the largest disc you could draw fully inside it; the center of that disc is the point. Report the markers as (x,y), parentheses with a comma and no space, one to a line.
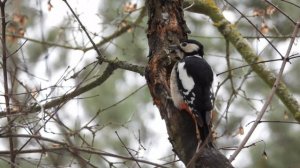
(287,16)
(247,37)
(269,99)
(255,28)
(18,48)
(200,149)
(277,121)
(5,80)
(259,62)
(127,149)
(85,49)
(63,99)
(122,30)
(113,64)
(34,137)
(86,150)
(235,147)
(9,162)
(292,3)
(84,29)
(110,106)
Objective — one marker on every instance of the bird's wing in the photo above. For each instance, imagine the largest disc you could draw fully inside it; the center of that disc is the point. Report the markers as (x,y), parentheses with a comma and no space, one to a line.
(195,78)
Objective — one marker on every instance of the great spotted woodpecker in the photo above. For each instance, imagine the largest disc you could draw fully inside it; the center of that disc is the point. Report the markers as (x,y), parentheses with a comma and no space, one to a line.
(190,84)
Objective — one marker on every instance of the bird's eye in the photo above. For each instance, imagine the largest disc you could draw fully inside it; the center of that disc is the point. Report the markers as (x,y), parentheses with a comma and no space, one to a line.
(183,44)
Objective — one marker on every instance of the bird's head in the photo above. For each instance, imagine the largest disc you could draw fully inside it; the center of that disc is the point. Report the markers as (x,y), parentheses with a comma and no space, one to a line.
(188,48)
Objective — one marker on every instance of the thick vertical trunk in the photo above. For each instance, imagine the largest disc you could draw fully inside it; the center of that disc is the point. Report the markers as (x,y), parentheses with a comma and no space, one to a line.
(167,26)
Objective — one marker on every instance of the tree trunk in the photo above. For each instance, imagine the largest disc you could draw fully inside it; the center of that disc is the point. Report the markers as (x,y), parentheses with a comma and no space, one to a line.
(166,25)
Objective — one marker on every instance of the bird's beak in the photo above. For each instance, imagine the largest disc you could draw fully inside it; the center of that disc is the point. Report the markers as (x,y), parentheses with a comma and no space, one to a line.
(173,47)
(175,50)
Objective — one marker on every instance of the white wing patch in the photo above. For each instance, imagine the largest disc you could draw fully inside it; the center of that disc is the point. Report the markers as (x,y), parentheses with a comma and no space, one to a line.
(187,81)
(175,94)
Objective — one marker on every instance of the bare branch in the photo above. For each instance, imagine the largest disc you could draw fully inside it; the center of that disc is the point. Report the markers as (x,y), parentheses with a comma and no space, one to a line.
(287,16)
(84,29)
(252,24)
(5,78)
(112,64)
(283,122)
(126,65)
(230,32)
(122,30)
(113,105)
(85,49)
(127,149)
(86,150)
(63,99)
(259,62)
(292,3)
(269,99)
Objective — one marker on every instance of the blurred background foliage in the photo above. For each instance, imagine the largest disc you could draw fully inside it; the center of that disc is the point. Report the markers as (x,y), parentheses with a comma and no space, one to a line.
(54,58)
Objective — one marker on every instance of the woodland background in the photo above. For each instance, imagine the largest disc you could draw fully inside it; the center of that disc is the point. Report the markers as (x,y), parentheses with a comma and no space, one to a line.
(67,109)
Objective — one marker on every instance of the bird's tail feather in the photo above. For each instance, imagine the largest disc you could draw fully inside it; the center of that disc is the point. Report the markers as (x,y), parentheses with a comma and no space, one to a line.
(205,128)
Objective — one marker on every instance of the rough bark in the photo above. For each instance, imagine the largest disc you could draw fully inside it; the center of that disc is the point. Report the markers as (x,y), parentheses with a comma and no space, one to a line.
(166,25)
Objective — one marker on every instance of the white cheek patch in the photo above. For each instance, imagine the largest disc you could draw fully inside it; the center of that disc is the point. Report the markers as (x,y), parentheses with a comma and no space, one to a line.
(190,48)
(187,81)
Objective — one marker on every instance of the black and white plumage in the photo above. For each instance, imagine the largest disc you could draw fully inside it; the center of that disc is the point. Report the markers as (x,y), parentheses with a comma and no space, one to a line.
(190,84)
